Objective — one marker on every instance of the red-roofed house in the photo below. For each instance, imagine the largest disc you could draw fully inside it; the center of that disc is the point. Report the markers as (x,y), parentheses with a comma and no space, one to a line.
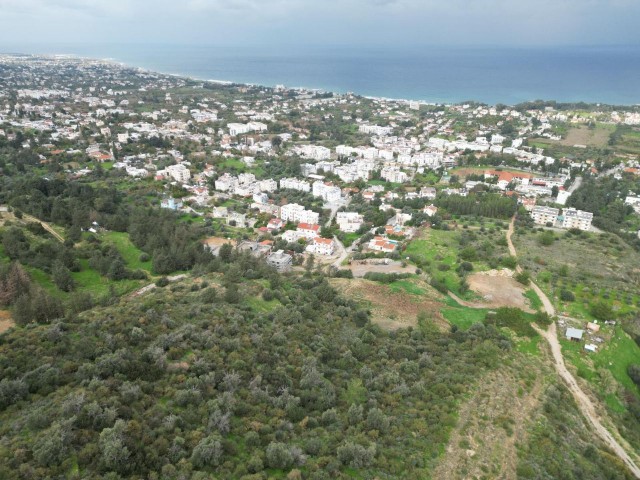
(322,246)
(275,224)
(308,230)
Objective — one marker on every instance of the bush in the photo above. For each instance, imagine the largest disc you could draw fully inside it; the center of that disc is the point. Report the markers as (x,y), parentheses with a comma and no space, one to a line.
(144,257)
(546,238)
(633,371)
(162,282)
(567,296)
(523,277)
(356,456)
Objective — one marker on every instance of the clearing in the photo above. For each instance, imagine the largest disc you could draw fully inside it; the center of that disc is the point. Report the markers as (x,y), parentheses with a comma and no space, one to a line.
(360,268)
(6,322)
(498,288)
(583,135)
(396,305)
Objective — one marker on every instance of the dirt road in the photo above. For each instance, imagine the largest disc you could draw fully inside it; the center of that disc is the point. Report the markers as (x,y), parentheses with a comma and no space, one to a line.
(45,225)
(584,402)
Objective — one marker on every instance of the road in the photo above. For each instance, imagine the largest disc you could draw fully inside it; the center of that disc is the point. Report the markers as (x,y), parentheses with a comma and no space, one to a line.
(582,400)
(576,185)
(45,225)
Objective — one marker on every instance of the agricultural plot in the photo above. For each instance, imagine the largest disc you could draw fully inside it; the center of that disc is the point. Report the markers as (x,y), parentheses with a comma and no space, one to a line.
(610,275)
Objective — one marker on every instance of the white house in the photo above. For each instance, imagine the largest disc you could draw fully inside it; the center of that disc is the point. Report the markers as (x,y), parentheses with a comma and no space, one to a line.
(349,222)
(307,230)
(293,212)
(322,246)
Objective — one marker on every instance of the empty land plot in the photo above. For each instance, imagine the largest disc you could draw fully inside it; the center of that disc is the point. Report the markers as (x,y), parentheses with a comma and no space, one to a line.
(499,290)
(593,267)
(394,306)
(589,137)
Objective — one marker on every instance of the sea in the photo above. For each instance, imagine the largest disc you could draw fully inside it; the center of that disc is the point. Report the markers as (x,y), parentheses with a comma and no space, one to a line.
(597,74)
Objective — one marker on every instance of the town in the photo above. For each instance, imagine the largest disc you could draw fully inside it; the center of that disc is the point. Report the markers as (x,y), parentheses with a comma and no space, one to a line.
(482,228)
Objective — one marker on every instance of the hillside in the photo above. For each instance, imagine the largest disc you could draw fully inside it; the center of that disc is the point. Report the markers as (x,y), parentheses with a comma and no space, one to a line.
(213,375)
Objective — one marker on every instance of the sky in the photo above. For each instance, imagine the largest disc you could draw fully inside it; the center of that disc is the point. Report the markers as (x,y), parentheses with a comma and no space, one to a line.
(295,23)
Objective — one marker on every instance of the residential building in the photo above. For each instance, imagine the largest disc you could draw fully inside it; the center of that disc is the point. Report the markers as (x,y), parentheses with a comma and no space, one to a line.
(178,172)
(171,203)
(349,222)
(280,260)
(327,191)
(295,184)
(293,212)
(543,215)
(394,175)
(382,244)
(308,231)
(322,246)
(573,218)
(430,210)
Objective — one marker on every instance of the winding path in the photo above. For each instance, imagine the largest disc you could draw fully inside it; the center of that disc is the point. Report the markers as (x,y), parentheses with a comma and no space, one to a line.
(582,399)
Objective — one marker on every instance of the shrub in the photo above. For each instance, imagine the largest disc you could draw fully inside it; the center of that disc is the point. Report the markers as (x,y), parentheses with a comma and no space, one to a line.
(523,277)
(567,296)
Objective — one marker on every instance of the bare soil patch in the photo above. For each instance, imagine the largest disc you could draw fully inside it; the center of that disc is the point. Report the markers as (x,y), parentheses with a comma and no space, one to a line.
(392,310)
(360,269)
(597,137)
(6,322)
(498,289)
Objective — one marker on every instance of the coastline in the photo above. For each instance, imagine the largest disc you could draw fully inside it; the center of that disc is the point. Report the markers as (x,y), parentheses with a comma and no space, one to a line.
(381,85)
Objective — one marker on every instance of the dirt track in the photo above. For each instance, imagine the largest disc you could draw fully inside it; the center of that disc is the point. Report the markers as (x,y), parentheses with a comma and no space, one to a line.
(584,402)
(45,225)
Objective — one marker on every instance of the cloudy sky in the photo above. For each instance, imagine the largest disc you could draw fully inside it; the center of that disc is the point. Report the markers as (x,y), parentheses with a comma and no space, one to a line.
(319,22)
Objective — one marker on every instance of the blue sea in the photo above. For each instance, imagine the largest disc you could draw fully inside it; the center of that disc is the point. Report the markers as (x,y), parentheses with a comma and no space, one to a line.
(439,74)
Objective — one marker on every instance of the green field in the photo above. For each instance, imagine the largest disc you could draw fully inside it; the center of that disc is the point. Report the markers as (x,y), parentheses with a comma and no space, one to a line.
(128,250)
(462,317)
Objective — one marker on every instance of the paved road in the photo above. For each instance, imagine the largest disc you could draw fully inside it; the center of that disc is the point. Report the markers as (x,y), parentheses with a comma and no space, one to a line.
(584,402)
(576,185)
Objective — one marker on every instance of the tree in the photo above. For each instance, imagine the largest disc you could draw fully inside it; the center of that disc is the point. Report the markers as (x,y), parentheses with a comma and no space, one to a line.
(356,456)
(231,294)
(523,277)
(279,456)
(226,252)
(62,277)
(602,310)
(208,453)
(51,447)
(114,453)
(14,281)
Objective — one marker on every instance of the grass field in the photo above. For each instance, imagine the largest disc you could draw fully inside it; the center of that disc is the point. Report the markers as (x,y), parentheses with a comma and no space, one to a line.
(616,355)
(441,252)
(462,317)
(128,250)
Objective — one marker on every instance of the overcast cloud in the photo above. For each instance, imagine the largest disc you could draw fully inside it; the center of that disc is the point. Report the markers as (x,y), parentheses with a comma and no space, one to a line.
(337,22)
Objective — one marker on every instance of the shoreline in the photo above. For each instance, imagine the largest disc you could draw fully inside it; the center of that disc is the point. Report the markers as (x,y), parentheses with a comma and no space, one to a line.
(421,101)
